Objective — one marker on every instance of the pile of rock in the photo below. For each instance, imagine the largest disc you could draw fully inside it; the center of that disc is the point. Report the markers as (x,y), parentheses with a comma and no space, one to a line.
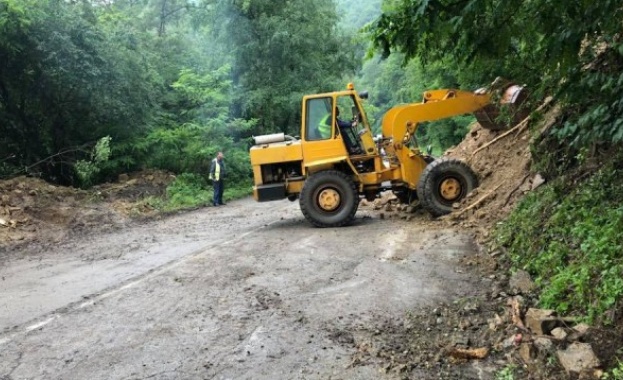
(541,333)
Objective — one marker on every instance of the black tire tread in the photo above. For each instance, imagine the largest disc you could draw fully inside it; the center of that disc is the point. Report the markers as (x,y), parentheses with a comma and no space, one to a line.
(306,198)
(426,187)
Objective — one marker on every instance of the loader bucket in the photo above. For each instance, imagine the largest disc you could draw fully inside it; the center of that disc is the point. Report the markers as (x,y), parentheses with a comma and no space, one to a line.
(508,103)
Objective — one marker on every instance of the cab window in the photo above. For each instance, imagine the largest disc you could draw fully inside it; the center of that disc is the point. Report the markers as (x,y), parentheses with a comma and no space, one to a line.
(346,105)
(318,119)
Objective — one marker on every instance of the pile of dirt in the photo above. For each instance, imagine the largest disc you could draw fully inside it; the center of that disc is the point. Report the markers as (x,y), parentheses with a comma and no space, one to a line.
(502,160)
(34,211)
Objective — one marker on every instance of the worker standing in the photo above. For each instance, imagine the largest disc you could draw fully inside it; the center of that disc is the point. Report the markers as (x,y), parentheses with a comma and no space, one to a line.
(217,173)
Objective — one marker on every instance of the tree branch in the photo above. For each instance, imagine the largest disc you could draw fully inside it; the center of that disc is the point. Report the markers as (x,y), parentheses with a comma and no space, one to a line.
(517,128)
(81,148)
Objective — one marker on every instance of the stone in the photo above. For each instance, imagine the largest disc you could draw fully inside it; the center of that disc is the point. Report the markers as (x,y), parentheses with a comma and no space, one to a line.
(577,358)
(495,253)
(508,342)
(464,324)
(541,321)
(460,340)
(582,328)
(578,331)
(411,209)
(521,282)
(527,352)
(543,344)
(537,181)
(495,322)
(559,333)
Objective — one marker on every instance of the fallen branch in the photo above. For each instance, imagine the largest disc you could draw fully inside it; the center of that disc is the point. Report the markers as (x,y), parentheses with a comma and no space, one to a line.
(479,200)
(516,127)
(508,197)
(519,127)
(515,312)
(468,353)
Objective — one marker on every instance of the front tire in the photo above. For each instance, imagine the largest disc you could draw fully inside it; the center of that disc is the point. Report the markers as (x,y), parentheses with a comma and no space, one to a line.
(443,183)
(329,199)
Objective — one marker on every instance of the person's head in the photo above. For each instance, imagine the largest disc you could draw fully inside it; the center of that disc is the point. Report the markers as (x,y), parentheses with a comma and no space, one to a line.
(219,156)
(337,111)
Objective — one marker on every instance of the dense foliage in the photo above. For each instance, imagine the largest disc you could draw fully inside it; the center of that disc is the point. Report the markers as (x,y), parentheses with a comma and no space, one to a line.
(572,50)
(572,243)
(65,83)
(164,83)
(168,83)
(281,51)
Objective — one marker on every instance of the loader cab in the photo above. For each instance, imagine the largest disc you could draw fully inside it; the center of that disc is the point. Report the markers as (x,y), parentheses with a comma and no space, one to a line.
(324,138)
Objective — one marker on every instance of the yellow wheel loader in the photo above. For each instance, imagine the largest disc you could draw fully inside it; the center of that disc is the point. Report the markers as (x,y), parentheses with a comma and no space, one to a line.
(335,162)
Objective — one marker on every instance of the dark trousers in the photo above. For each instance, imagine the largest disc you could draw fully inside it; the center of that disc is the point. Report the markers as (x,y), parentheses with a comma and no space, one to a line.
(218,192)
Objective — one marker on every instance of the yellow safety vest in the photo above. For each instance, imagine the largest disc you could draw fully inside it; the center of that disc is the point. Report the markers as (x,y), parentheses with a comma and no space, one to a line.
(217,170)
(324,127)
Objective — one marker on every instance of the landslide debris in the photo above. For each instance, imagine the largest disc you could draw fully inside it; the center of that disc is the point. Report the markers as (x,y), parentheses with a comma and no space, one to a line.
(33,211)
(503,163)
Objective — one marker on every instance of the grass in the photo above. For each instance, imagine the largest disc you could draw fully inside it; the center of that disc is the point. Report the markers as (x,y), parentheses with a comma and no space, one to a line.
(615,373)
(570,241)
(506,373)
(189,191)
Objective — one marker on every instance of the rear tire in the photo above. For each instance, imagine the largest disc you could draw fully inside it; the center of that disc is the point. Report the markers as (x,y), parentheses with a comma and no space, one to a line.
(329,199)
(443,183)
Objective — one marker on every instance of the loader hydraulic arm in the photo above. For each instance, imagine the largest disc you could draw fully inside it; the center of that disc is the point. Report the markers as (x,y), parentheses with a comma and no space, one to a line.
(401,122)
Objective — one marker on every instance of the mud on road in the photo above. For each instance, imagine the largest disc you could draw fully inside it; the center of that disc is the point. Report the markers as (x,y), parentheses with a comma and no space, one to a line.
(246,291)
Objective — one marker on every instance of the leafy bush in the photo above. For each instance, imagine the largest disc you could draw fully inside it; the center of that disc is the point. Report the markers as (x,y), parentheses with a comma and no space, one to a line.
(188,190)
(87,170)
(615,373)
(573,51)
(571,242)
(191,190)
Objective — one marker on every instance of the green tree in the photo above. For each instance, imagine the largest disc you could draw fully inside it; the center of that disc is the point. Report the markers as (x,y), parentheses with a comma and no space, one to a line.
(65,83)
(282,50)
(572,50)
(187,141)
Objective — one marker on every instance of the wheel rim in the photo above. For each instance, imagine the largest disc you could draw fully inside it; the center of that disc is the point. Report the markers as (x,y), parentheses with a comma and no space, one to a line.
(450,189)
(329,199)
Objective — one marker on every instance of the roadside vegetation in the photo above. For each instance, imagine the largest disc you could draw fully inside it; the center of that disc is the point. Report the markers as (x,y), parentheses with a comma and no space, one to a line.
(567,234)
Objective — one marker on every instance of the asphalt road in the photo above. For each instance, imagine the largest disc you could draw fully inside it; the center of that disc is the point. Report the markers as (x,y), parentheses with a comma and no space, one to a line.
(245,291)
